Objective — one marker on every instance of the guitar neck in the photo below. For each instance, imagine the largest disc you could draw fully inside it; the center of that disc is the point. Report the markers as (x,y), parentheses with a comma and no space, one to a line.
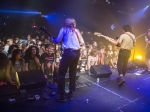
(107,37)
(45,31)
(48,34)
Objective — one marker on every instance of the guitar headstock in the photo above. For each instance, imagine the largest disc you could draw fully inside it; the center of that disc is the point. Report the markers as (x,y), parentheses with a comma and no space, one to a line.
(43,29)
(97,34)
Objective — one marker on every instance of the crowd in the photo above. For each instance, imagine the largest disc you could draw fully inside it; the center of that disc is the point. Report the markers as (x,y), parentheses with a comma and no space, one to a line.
(25,54)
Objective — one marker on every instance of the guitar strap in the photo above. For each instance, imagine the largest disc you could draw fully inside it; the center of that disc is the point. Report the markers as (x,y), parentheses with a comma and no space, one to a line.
(132,39)
(77,36)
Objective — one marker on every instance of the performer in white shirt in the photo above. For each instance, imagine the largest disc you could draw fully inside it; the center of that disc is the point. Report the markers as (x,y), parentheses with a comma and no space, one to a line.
(71,43)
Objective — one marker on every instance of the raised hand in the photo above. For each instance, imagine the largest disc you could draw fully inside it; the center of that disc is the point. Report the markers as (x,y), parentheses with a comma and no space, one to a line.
(36,59)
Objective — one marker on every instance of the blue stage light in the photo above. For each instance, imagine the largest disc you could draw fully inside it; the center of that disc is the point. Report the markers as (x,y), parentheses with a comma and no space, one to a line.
(21,12)
(44,16)
(113,27)
(139,14)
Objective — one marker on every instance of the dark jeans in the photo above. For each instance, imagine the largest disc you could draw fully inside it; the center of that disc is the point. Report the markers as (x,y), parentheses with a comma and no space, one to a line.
(123,58)
(69,60)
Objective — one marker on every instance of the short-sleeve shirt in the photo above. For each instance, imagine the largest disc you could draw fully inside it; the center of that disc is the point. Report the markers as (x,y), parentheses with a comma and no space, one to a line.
(126,41)
(18,67)
(48,61)
(32,65)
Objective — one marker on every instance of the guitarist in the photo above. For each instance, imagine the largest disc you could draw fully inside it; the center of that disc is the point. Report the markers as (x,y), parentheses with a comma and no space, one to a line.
(71,40)
(126,42)
(147,56)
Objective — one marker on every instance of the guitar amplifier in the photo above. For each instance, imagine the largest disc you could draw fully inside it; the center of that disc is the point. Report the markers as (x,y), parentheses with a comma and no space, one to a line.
(100,71)
(30,79)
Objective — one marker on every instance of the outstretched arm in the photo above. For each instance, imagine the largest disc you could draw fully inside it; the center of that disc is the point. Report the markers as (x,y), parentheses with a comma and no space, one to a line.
(113,41)
(59,37)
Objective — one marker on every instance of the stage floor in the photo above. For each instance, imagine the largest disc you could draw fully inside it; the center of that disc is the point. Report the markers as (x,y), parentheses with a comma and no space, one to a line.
(90,96)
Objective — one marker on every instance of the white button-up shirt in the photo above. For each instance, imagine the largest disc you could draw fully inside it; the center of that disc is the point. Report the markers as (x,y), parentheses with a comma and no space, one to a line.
(70,38)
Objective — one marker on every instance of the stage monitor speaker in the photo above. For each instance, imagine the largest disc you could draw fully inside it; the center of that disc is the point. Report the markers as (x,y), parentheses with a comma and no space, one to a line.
(100,71)
(30,79)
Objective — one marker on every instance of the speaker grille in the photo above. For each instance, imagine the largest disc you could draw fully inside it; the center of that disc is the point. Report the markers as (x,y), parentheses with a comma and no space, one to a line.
(100,71)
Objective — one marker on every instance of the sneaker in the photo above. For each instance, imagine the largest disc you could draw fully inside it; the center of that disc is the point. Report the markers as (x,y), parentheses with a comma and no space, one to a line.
(61,98)
(121,81)
(70,96)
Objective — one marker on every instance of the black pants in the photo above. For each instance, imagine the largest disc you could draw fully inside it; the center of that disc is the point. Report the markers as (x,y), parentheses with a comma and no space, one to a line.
(69,60)
(123,58)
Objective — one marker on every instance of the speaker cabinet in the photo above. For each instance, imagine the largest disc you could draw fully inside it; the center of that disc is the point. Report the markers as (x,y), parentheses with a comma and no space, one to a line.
(30,79)
(100,71)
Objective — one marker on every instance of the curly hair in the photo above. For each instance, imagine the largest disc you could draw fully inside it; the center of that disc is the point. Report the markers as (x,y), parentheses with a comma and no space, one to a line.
(29,52)
(13,58)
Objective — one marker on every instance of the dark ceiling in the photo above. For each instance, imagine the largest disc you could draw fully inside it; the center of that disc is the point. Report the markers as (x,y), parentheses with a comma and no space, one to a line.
(91,15)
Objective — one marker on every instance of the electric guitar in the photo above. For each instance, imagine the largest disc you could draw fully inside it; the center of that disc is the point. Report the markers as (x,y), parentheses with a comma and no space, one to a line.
(106,37)
(45,31)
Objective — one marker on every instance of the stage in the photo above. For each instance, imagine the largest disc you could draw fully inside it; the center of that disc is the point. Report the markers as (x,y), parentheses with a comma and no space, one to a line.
(90,96)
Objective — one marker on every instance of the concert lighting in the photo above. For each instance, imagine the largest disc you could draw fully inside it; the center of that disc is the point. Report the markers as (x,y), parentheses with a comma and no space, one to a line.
(137,73)
(44,16)
(19,12)
(139,14)
(113,27)
(139,57)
